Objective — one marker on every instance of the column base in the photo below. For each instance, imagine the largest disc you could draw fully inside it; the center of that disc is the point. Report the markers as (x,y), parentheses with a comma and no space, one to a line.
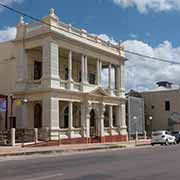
(70,85)
(110,91)
(51,83)
(123,131)
(120,93)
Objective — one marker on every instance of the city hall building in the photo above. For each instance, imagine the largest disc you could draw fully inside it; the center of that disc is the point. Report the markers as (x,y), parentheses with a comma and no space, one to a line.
(58,70)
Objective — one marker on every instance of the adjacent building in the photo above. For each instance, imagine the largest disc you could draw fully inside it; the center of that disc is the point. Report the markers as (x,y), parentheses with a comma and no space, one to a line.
(57,69)
(162,104)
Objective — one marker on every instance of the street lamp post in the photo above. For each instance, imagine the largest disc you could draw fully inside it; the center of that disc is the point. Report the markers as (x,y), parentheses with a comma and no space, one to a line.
(135,119)
(150,120)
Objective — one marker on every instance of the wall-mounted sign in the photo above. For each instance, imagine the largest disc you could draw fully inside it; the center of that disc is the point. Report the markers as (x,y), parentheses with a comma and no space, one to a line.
(3,104)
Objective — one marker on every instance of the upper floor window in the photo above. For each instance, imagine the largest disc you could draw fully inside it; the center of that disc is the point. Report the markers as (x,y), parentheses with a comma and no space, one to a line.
(80,76)
(66,73)
(37,70)
(167,105)
(92,78)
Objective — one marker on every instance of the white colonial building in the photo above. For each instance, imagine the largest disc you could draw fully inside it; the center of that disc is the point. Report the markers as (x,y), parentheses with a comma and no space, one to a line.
(58,69)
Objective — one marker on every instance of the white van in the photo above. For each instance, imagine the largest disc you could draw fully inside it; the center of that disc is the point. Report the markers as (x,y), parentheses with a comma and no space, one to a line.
(162,138)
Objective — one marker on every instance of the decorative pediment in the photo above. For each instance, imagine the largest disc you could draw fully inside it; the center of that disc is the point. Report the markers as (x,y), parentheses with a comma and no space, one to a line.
(99,91)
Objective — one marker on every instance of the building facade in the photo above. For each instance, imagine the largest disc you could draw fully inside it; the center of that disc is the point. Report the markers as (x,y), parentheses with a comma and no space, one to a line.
(58,70)
(162,104)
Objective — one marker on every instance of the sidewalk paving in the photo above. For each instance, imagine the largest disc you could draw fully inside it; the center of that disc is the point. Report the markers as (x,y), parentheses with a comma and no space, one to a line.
(18,150)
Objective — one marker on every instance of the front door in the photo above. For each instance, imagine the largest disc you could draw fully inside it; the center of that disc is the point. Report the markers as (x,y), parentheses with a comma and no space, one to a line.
(92,123)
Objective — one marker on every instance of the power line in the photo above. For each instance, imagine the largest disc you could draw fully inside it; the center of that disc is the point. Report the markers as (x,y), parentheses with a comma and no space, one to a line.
(151,57)
(127,51)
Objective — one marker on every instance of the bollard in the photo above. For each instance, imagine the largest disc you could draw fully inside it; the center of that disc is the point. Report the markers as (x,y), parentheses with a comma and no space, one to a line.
(47,134)
(22,138)
(136,137)
(35,135)
(127,138)
(13,137)
(145,135)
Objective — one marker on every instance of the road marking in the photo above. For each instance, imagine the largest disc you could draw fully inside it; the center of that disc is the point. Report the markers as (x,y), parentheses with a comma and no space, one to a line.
(45,177)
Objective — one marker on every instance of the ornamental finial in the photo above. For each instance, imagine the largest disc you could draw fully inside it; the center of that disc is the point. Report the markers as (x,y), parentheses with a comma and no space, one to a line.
(52,12)
(21,20)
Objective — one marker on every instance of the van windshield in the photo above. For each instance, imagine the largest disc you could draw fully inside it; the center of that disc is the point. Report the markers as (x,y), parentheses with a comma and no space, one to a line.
(157,133)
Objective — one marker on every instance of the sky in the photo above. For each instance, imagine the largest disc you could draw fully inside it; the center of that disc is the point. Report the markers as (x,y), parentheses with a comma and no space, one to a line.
(149,27)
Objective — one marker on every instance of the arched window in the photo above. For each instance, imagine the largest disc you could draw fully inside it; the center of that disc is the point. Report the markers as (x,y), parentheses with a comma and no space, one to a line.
(38,116)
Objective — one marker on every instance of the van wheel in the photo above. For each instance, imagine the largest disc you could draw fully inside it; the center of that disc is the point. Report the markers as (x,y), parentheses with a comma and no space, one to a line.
(166,142)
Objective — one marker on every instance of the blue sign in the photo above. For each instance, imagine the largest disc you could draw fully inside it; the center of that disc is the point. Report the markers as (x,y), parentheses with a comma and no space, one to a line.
(3,104)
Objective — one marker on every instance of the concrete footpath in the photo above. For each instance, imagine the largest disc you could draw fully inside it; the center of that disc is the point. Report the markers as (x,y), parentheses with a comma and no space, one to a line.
(18,150)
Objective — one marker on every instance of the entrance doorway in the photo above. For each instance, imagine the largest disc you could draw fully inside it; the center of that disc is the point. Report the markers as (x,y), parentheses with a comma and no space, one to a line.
(92,123)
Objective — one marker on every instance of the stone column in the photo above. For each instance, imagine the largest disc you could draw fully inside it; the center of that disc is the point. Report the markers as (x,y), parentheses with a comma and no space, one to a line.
(87,119)
(122,75)
(122,119)
(82,69)
(21,67)
(22,60)
(70,118)
(110,116)
(70,79)
(101,122)
(83,118)
(50,76)
(85,70)
(110,79)
(50,109)
(118,77)
(120,80)
(100,69)
(98,75)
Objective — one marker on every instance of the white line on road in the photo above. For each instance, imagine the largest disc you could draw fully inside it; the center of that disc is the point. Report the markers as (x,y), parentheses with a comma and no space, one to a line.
(45,177)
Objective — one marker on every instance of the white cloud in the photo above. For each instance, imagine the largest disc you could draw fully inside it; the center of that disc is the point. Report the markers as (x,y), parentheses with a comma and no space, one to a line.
(142,73)
(8,33)
(144,6)
(107,38)
(9,2)
(134,36)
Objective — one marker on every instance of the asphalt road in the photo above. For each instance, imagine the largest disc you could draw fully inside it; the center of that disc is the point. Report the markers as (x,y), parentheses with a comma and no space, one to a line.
(150,163)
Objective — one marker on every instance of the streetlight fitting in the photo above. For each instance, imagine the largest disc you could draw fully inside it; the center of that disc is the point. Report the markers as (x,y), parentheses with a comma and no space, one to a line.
(150,118)
(25,101)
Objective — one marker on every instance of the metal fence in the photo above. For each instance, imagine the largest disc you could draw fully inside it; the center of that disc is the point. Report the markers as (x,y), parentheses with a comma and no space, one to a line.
(5,137)
(13,136)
